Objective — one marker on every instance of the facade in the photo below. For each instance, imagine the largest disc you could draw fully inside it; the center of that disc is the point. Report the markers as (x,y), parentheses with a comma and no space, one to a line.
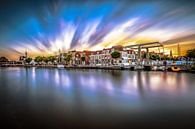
(106,58)
(80,57)
(96,58)
(117,61)
(23,57)
(86,57)
(128,57)
(77,58)
(76,55)
(103,57)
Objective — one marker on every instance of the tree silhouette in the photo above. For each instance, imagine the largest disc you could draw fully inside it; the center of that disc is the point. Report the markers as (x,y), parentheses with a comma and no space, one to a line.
(191,53)
(28,60)
(115,54)
(3,59)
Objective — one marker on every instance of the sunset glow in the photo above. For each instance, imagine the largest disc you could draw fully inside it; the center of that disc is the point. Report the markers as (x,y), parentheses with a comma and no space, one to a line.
(53,25)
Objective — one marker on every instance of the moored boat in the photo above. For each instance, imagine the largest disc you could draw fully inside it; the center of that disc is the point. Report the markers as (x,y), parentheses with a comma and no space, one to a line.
(175,69)
(60,66)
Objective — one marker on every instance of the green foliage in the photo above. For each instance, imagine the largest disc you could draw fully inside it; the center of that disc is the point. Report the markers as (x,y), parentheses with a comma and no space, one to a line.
(28,60)
(144,55)
(51,58)
(38,59)
(45,59)
(67,57)
(115,54)
(154,56)
(193,67)
(83,58)
(165,57)
(191,53)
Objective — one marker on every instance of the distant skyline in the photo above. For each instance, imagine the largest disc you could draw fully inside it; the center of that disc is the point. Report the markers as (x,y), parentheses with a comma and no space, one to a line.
(45,26)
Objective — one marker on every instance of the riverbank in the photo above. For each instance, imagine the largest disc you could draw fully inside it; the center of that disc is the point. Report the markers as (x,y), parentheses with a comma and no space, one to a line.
(131,68)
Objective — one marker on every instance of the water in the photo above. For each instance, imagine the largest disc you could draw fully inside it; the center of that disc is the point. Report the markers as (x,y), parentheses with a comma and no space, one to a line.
(59,98)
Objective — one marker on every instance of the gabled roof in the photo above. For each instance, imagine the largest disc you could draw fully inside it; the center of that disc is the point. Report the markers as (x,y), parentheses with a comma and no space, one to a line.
(118,47)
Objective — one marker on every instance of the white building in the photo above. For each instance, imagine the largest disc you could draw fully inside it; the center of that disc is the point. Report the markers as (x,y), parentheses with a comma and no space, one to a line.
(104,58)
(128,57)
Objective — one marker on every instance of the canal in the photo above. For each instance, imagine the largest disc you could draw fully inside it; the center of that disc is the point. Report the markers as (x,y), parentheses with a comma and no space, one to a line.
(58,98)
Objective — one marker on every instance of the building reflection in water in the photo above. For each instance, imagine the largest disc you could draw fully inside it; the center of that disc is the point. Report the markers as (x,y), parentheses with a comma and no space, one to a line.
(137,84)
(172,83)
(140,83)
(89,90)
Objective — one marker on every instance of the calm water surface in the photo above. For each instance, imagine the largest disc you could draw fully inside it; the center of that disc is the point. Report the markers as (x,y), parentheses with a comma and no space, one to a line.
(59,98)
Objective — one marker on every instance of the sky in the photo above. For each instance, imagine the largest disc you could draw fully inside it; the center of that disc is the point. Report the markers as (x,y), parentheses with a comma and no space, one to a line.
(42,27)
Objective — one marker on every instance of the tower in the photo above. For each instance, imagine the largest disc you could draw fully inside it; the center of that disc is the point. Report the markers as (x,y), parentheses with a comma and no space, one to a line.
(26,54)
(171,54)
(178,50)
(59,57)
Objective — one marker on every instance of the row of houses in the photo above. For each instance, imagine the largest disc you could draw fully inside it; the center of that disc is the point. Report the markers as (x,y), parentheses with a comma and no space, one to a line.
(103,57)
(94,58)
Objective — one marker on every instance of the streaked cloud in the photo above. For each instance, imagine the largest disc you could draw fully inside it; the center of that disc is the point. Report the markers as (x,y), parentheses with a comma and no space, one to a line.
(47,26)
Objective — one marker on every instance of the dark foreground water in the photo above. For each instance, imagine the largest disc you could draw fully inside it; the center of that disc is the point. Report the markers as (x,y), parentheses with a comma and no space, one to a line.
(52,98)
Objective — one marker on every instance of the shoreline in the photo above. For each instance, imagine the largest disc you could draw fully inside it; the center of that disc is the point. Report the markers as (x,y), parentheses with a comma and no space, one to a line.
(129,68)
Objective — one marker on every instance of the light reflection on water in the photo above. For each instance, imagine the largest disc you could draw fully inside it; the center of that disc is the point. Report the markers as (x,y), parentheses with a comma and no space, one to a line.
(103,91)
(115,83)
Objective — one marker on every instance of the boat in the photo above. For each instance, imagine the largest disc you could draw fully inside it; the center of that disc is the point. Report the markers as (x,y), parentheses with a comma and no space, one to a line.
(60,66)
(175,69)
(138,67)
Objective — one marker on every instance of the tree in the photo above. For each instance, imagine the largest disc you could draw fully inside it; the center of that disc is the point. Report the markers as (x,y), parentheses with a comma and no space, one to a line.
(28,60)
(154,56)
(193,67)
(165,57)
(144,55)
(65,55)
(115,54)
(83,58)
(191,53)
(45,59)
(3,59)
(68,57)
(38,59)
(157,57)
(51,58)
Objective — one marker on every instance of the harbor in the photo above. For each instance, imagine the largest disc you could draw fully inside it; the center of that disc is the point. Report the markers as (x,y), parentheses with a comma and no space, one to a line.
(174,66)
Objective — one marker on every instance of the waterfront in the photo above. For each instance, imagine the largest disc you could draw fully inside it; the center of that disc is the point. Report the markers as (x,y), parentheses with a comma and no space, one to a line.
(89,98)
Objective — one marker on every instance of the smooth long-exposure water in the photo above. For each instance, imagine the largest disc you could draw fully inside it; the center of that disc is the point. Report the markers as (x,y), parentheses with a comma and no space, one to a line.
(60,98)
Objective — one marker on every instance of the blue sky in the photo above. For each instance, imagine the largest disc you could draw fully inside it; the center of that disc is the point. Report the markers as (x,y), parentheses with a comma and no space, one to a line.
(45,26)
